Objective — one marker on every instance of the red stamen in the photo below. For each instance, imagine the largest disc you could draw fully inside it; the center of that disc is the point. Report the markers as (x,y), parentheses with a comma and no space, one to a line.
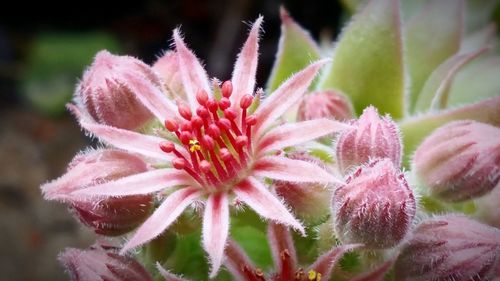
(230,113)
(171,125)
(212,105)
(202,97)
(224,124)
(186,137)
(213,131)
(246,101)
(196,122)
(167,146)
(227,89)
(184,110)
(179,163)
(186,127)
(224,103)
(202,112)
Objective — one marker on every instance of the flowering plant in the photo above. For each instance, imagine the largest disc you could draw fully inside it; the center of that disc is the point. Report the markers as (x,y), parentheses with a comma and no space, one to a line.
(343,151)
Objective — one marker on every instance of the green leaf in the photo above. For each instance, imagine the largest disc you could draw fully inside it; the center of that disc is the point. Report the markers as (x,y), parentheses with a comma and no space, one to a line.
(431,37)
(477,81)
(435,92)
(479,39)
(296,50)
(480,13)
(368,60)
(414,130)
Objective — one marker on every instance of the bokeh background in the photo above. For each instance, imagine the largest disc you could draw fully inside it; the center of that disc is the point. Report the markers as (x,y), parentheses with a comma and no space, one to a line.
(44,48)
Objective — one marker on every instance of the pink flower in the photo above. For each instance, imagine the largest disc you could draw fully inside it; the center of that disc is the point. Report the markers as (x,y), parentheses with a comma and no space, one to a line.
(217,147)
(325,104)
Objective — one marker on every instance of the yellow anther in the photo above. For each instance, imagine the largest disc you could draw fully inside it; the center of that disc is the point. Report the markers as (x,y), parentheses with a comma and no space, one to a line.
(313,275)
(194,145)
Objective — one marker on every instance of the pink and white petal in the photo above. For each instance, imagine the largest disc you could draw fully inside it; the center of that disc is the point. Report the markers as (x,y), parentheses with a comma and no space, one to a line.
(192,72)
(163,216)
(143,183)
(62,187)
(152,97)
(282,249)
(243,79)
(127,140)
(376,274)
(286,169)
(285,96)
(297,133)
(167,275)
(216,229)
(252,192)
(167,66)
(238,263)
(326,262)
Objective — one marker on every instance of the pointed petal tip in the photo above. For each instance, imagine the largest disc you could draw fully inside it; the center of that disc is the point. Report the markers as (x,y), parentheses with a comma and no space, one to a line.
(285,15)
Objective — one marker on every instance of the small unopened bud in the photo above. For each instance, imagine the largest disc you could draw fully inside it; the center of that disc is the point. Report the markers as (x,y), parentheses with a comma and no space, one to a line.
(310,201)
(102,263)
(375,207)
(450,247)
(325,104)
(460,160)
(113,215)
(371,136)
(109,94)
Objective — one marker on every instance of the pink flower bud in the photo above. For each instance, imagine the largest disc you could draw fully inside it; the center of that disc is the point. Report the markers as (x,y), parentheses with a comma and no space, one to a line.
(102,263)
(374,207)
(109,95)
(113,215)
(460,160)
(325,104)
(370,137)
(449,247)
(310,201)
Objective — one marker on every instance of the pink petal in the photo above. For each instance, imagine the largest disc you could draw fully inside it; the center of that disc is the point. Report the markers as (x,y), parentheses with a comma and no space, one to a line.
(283,250)
(255,194)
(142,183)
(193,74)
(243,79)
(62,187)
(167,66)
(326,262)
(130,141)
(297,133)
(164,215)
(167,274)
(215,229)
(238,263)
(152,97)
(282,168)
(377,274)
(285,96)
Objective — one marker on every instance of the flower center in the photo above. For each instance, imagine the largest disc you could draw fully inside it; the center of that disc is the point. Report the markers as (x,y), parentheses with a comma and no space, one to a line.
(217,144)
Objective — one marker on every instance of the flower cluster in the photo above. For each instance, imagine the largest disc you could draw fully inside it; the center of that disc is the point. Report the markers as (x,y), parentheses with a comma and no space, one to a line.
(362,158)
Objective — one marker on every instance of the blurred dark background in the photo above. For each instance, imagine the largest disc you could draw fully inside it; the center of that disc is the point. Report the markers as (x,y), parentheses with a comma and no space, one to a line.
(44,47)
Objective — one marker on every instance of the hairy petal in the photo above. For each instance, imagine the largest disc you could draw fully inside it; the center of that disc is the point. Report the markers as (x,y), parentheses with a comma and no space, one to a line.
(238,263)
(376,274)
(282,249)
(297,133)
(326,262)
(144,183)
(243,79)
(216,229)
(285,96)
(254,194)
(192,72)
(163,216)
(167,274)
(282,168)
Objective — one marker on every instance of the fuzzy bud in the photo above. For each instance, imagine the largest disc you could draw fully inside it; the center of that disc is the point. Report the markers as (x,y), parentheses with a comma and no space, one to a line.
(102,263)
(109,94)
(460,160)
(113,215)
(371,136)
(325,104)
(450,247)
(374,207)
(310,201)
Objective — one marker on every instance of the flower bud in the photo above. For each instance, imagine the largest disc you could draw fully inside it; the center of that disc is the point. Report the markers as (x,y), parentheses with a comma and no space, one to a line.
(109,216)
(450,247)
(310,201)
(109,95)
(374,207)
(325,104)
(371,136)
(460,160)
(102,263)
